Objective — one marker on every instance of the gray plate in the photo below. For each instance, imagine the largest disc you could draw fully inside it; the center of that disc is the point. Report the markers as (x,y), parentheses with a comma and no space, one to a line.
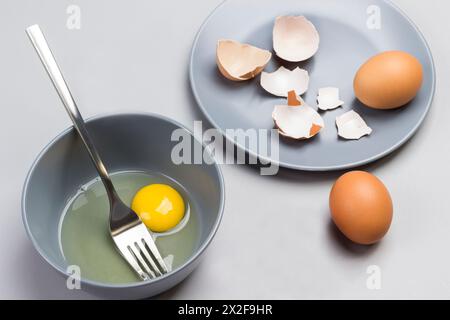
(346,43)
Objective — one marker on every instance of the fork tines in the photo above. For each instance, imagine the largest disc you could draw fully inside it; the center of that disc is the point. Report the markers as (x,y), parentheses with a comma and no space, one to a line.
(138,248)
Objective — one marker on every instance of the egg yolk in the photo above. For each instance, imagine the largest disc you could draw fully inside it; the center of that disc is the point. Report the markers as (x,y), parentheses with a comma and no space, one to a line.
(159,206)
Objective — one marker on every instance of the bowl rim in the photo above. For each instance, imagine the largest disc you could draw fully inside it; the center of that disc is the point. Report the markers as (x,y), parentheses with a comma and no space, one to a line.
(199,252)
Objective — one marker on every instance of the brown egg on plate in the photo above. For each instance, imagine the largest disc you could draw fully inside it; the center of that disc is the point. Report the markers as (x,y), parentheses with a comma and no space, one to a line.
(388,80)
(361,207)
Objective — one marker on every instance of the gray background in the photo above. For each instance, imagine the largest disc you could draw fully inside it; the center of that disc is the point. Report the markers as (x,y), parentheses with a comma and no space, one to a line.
(286,215)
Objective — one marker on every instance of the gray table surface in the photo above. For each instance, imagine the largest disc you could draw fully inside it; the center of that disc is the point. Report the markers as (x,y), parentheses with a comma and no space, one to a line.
(286,215)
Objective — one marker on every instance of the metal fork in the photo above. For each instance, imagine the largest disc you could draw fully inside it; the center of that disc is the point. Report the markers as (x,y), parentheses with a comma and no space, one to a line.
(130,235)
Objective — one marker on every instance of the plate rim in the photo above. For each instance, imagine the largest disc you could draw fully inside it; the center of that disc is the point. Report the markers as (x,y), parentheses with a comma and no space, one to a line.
(348,166)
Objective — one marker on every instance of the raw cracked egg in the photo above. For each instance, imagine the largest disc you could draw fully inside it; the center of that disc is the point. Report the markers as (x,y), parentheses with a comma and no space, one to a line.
(159,206)
(361,207)
(388,80)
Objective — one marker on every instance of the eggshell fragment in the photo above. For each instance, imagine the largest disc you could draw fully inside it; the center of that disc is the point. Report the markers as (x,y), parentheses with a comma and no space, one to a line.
(294,100)
(351,126)
(297,120)
(328,99)
(241,62)
(295,38)
(280,82)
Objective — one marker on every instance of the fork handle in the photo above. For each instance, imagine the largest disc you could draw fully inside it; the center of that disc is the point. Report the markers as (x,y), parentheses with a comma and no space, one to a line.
(48,60)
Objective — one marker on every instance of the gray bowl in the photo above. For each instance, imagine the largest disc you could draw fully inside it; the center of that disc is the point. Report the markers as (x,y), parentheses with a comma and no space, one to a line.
(63,166)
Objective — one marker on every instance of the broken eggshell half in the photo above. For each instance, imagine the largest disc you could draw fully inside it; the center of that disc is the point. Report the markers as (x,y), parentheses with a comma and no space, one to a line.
(241,62)
(297,120)
(328,99)
(280,82)
(351,126)
(295,38)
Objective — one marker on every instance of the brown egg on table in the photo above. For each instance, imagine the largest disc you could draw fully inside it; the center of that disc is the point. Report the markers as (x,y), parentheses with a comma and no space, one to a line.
(388,80)
(361,207)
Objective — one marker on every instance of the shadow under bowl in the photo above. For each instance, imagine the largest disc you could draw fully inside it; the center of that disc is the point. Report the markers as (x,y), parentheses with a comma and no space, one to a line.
(126,142)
